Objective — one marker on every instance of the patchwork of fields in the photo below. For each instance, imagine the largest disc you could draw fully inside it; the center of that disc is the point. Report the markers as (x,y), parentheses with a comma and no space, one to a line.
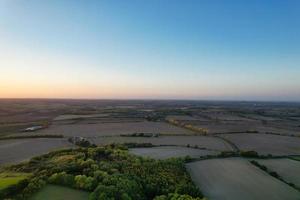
(235,179)
(175,129)
(113,129)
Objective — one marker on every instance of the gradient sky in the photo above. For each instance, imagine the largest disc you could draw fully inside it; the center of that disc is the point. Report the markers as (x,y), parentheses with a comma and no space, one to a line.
(167,49)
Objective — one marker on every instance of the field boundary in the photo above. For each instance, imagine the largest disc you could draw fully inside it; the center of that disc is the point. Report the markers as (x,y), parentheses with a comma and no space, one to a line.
(273,174)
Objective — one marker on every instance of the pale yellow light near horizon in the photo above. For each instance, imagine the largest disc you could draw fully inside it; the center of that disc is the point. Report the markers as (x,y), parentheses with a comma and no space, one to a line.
(26,74)
(35,75)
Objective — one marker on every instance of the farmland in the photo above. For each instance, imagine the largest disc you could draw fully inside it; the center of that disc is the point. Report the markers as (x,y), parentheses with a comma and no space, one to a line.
(60,193)
(199,141)
(170,152)
(12,151)
(288,169)
(116,137)
(266,143)
(73,117)
(113,129)
(236,179)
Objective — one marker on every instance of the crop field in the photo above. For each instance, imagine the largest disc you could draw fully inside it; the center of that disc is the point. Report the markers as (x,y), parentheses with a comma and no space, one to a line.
(170,152)
(224,116)
(218,127)
(10,178)
(211,143)
(182,118)
(109,129)
(70,117)
(95,120)
(261,117)
(266,143)
(293,127)
(13,151)
(223,127)
(60,193)
(235,179)
(295,158)
(288,169)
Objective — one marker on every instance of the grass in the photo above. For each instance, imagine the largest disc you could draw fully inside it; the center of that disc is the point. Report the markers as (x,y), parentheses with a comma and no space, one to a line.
(235,179)
(10,178)
(295,158)
(50,192)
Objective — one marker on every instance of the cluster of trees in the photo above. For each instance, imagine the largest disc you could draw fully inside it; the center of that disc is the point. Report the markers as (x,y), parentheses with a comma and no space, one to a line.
(81,142)
(254,154)
(249,154)
(23,189)
(202,131)
(79,181)
(111,173)
(138,145)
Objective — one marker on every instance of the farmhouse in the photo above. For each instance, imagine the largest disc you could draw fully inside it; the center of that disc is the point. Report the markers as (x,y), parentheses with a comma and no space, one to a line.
(33,128)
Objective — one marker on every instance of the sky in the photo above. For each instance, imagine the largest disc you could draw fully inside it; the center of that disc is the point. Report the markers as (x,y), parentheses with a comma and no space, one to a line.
(150,49)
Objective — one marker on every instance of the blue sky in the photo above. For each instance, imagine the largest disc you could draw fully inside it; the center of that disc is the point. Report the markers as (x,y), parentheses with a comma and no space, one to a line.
(224,50)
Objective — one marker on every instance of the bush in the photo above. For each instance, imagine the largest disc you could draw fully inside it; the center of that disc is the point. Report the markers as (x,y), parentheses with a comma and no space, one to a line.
(34,185)
(249,154)
(62,179)
(85,183)
(274,174)
(118,187)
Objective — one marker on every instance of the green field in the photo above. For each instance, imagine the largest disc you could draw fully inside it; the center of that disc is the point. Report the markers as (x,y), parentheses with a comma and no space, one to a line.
(11,178)
(51,192)
(295,158)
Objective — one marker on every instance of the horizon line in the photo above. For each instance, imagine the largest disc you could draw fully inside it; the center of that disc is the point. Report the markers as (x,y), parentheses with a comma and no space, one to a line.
(147,99)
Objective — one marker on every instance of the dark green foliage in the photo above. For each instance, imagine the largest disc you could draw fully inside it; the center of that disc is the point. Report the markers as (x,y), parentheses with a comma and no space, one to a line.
(249,154)
(81,142)
(225,154)
(138,145)
(84,143)
(13,189)
(274,174)
(119,187)
(262,167)
(110,173)
(33,186)
(62,179)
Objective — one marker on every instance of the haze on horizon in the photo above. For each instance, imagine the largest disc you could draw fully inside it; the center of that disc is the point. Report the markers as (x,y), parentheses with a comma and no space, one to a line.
(158,49)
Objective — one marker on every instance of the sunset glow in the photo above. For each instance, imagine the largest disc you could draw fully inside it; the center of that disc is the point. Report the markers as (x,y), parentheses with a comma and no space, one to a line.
(158,49)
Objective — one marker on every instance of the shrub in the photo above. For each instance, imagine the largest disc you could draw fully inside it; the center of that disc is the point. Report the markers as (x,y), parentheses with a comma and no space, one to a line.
(249,154)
